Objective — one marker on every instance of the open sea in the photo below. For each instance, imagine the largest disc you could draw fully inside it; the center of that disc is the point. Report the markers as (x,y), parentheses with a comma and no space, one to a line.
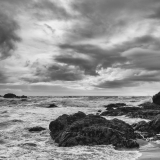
(17,143)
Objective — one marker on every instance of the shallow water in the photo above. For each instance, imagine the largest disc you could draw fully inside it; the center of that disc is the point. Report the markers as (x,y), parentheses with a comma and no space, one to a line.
(17,143)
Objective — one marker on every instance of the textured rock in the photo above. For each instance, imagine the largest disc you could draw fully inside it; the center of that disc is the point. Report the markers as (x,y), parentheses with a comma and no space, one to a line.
(81,129)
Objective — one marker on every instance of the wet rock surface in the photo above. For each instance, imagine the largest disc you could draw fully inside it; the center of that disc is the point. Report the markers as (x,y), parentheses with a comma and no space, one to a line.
(82,129)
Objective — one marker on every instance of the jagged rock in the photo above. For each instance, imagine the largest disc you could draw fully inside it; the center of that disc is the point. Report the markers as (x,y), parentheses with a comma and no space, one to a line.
(156,98)
(36,129)
(10,95)
(52,106)
(82,129)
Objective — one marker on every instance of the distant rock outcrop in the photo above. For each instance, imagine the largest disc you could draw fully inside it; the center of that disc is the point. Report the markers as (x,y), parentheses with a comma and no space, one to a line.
(10,95)
(82,129)
(156,98)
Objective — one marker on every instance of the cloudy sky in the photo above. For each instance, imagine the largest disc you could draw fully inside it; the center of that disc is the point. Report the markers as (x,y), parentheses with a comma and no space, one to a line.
(80,47)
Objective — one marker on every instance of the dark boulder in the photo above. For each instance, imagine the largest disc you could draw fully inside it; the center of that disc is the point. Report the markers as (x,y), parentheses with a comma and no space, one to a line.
(36,129)
(81,129)
(156,98)
(10,95)
(52,106)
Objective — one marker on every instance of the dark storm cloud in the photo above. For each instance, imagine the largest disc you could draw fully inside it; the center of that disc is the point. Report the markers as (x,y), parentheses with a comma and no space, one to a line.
(155,14)
(126,55)
(54,72)
(8,35)
(88,66)
(64,73)
(142,58)
(108,17)
(99,58)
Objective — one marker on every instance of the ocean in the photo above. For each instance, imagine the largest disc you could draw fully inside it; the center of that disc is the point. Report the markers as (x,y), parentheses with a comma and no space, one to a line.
(17,143)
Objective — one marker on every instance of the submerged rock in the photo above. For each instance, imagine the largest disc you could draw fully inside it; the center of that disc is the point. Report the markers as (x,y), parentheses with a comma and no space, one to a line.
(36,129)
(52,106)
(156,98)
(82,129)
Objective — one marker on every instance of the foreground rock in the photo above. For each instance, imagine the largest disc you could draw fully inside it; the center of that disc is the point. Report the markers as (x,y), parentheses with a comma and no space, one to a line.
(156,98)
(146,111)
(82,129)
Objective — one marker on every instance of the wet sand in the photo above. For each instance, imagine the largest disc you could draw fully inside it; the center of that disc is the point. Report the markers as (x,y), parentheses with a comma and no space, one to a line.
(153,154)
(150,153)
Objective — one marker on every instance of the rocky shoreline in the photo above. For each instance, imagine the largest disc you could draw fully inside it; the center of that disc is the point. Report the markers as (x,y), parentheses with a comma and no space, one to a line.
(82,129)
